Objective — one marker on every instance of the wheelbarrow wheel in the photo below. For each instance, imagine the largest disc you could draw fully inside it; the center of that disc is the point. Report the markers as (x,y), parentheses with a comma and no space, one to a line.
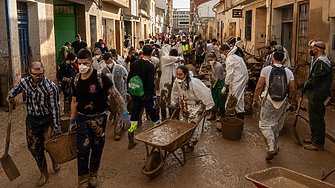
(153,162)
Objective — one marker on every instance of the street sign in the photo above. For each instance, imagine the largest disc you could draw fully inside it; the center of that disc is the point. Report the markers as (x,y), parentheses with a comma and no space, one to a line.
(237,13)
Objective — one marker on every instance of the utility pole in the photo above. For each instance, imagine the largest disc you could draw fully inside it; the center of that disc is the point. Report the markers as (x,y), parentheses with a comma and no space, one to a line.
(191,15)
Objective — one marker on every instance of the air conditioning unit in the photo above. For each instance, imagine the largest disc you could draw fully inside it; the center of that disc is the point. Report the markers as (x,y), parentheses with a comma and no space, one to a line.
(261,38)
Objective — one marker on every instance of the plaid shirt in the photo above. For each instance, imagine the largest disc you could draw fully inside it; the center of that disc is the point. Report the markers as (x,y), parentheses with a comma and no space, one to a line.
(41,99)
(268,60)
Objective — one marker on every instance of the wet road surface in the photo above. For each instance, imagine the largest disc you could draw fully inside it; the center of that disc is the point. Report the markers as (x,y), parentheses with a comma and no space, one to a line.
(215,162)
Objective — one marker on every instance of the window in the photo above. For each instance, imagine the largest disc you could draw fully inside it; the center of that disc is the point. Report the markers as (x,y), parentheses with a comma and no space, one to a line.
(248,23)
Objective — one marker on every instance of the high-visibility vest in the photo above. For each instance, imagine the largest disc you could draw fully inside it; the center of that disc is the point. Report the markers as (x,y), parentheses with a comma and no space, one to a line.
(185,48)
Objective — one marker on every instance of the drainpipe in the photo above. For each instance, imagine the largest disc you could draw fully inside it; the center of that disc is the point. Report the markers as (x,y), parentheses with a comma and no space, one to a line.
(270,23)
(11,75)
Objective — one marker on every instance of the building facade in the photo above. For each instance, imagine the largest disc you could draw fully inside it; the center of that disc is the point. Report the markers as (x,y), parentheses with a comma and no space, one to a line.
(36,30)
(181,21)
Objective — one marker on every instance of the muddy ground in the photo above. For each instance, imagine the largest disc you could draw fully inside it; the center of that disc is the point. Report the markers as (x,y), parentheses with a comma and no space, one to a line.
(215,162)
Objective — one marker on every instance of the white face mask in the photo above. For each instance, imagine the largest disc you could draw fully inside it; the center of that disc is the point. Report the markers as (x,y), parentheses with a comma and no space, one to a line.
(83,69)
(110,65)
(173,43)
(97,57)
(223,56)
(183,40)
(212,62)
(180,81)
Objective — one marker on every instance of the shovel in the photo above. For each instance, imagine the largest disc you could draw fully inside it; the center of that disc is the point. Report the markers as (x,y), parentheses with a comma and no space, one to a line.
(296,119)
(6,160)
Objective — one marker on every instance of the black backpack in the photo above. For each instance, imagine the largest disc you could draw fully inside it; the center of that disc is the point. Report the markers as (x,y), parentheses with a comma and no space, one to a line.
(278,88)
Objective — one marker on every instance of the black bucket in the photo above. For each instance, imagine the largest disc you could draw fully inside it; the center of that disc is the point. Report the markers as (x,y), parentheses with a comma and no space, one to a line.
(232,128)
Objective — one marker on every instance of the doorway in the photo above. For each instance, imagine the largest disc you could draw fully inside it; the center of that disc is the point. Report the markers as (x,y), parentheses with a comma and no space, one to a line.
(118,36)
(232,29)
(287,36)
(93,30)
(65,25)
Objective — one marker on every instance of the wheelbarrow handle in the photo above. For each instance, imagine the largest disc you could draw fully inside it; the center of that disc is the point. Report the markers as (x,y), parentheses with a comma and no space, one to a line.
(9,127)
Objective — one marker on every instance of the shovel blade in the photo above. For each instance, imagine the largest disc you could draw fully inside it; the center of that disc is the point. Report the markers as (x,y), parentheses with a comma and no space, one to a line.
(9,167)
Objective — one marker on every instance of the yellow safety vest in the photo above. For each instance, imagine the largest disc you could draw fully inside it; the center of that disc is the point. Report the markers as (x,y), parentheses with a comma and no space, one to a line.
(185,48)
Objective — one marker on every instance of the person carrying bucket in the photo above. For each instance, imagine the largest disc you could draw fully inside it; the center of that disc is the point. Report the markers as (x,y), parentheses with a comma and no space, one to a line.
(193,98)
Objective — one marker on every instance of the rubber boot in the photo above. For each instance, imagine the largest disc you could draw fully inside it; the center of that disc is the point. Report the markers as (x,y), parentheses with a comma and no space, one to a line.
(93,181)
(132,142)
(83,181)
(44,177)
(212,115)
(240,115)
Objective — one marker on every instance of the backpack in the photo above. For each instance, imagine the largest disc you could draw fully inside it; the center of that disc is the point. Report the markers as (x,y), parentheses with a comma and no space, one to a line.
(126,42)
(135,86)
(278,87)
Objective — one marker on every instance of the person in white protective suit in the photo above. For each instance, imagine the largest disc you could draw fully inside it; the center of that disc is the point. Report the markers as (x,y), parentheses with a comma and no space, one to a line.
(272,115)
(166,48)
(236,80)
(193,98)
(176,45)
(168,66)
(118,74)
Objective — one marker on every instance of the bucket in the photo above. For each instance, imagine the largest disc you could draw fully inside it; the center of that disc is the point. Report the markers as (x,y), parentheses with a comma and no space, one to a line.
(62,148)
(232,128)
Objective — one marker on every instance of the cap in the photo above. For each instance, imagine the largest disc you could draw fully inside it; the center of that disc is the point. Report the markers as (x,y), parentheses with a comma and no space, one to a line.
(279,47)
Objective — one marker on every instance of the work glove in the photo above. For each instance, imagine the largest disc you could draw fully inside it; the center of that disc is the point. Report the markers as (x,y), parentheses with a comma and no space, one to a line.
(255,105)
(301,86)
(65,79)
(72,125)
(293,107)
(156,105)
(126,120)
(10,98)
(56,131)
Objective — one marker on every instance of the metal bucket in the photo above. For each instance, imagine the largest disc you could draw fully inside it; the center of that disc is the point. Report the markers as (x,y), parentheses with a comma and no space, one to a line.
(232,128)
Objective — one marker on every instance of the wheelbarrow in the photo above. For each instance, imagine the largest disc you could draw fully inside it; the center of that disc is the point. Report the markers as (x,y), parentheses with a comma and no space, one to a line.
(164,139)
(278,177)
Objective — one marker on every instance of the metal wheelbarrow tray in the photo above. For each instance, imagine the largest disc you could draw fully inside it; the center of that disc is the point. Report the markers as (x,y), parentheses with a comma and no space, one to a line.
(279,177)
(164,139)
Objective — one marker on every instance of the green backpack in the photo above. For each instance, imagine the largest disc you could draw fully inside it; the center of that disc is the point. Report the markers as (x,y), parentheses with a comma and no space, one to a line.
(135,86)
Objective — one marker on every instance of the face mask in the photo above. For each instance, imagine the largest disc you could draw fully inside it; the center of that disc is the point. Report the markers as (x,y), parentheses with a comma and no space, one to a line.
(72,62)
(212,62)
(180,81)
(311,53)
(173,43)
(83,69)
(223,56)
(110,65)
(97,57)
(183,40)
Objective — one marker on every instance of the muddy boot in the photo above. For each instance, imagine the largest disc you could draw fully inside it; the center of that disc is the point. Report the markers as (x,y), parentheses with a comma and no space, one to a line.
(307,141)
(93,181)
(83,181)
(44,177)
(189,149)
(240,115)
(132,142)
(117,137)
(212,115)
(55,166)
(271,154)
(313,146)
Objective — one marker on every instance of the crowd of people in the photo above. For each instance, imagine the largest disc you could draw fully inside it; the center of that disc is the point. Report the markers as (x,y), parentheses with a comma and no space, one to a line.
(162,76)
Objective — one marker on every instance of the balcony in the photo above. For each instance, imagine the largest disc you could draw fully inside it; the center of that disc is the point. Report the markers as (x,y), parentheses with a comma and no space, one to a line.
(241,2)
(118,3)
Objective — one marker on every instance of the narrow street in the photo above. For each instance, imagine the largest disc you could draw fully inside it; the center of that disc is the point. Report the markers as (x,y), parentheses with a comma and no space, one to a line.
(215,162)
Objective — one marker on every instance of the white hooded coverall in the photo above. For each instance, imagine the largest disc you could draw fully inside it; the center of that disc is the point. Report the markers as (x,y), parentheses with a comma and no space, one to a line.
(237,78)
(193,103)
(119,78)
